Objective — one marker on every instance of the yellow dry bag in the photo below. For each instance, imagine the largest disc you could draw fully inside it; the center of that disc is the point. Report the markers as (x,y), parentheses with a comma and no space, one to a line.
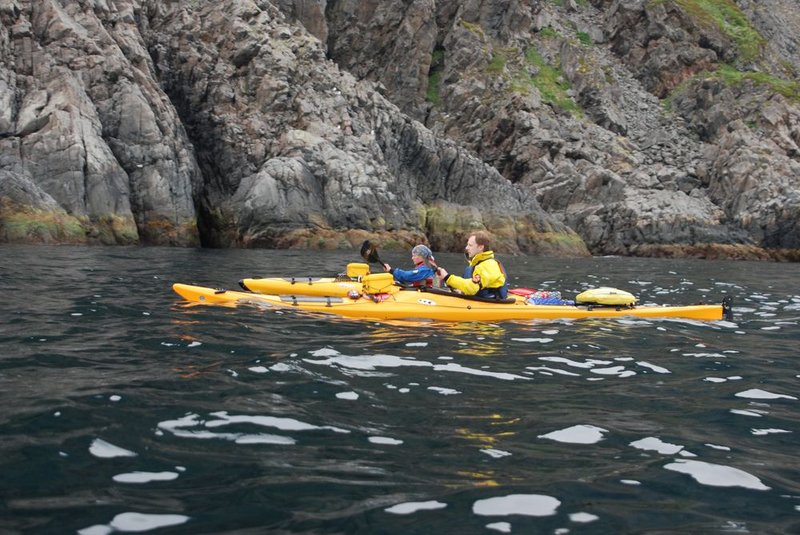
(605,296)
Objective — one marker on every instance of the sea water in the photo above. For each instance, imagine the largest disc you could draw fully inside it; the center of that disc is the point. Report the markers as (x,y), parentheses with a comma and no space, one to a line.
(125,410)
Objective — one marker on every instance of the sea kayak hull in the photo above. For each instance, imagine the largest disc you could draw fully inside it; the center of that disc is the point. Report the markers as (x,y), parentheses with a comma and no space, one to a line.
(320,287)
(415,304)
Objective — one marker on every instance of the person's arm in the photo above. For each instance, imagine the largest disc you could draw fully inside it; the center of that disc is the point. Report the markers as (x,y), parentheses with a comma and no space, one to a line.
(459,283)
(412,275)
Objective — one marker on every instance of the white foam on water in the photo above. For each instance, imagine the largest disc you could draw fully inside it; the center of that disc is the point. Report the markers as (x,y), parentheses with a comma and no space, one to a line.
(550,332)
(445,358)
(577,434)
(740,412)
(195,344)
(404,390)
(324,352)
(770,431)
(772,328)
(385,440)
(757,393)
(98,529)
(657,369)
(281,367)
(412,507)
(517,504)
(265,438)
(552,370)
(457,368)
(705,355)
(444,391)
(106,450)
(176,427)
(619,371)
(258,369)
(494,453)
(716,475)
(583,518)
(284,424)
(533,340)
(347,395)
(502,527)
(574,363)
(114,398)
(138,522)
(715,379)
(623,321)
(630,482)
(144,477)
(370,362)
(656,444)
(417,344)
(718,447)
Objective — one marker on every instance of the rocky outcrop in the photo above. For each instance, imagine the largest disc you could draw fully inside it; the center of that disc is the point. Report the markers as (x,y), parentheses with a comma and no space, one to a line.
(88,127)
(611,127)
(599,111)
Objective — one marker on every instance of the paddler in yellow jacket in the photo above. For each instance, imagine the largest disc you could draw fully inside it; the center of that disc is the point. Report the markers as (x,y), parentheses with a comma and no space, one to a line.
(485,277)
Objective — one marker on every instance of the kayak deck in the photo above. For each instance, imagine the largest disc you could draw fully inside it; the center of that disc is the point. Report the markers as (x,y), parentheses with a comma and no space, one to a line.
(321,287)
(417,304)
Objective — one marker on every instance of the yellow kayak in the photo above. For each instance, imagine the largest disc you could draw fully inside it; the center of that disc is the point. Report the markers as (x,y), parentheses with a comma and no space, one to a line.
(302,286)
(441,305)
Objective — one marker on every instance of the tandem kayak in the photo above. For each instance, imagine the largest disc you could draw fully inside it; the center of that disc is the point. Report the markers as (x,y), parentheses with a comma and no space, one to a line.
(442,305)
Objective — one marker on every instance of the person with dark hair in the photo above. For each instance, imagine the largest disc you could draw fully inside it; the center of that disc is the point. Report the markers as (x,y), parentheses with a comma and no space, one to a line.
(422,274)
(485,276)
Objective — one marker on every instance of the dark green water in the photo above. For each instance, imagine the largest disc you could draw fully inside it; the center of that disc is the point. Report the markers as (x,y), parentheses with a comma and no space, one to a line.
(124,410)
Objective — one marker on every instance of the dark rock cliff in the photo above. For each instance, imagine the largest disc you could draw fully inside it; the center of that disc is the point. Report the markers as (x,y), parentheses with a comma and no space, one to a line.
(658,127)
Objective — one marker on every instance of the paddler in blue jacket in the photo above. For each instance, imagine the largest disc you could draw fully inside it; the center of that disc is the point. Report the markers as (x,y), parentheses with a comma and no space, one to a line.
(422,274)
(485,277)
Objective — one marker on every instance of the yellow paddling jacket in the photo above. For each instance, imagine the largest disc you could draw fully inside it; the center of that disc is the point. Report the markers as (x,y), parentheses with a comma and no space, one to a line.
(483,264)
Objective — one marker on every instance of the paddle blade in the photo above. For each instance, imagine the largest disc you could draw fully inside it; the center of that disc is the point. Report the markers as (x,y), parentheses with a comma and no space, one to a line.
(369,252)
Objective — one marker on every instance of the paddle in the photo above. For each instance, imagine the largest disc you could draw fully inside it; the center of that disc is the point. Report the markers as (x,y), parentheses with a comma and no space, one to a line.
(369,252)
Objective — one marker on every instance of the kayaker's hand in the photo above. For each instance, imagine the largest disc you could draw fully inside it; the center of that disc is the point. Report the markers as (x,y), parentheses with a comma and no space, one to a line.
(387,267)
(476,279)
(441,272)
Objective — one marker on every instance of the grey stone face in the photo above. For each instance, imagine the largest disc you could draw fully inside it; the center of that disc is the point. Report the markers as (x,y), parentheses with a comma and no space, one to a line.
(598,127)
